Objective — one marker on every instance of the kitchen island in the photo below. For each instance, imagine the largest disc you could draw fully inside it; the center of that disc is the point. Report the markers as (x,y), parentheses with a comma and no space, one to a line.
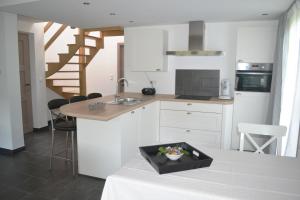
(107,137)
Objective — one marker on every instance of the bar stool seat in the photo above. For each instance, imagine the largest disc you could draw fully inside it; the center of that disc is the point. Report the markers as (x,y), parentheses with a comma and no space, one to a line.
(62,125)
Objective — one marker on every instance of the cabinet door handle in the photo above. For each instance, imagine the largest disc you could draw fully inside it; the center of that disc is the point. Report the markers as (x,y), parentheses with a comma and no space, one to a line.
(132,112)
(189,104)
(187,131)
(157,69)
(188,113)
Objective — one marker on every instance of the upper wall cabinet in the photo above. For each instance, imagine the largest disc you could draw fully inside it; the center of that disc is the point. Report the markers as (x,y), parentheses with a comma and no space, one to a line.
(256,44)
(145,49)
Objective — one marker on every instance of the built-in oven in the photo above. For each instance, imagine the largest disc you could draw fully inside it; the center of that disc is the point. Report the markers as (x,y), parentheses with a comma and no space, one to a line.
(254,77)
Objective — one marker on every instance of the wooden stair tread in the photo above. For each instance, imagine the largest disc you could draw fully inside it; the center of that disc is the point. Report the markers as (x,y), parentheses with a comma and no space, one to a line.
(75,63)
(88,46)
(90,37)
(72,86)
(68,71)
(63,79)
(81,55)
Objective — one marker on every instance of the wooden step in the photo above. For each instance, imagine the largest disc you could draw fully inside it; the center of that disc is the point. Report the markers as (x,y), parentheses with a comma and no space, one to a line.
(68,71)
(71,86)
(75,63)
(81,55)
(63,79)
(90,37)
(88,46)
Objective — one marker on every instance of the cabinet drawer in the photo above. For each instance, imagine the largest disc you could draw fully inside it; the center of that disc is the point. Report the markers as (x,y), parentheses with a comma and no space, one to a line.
(196,138)
(188,106)
(191,120)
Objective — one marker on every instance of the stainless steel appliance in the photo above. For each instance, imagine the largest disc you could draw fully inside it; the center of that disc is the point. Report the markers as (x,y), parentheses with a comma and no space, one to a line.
(254,77)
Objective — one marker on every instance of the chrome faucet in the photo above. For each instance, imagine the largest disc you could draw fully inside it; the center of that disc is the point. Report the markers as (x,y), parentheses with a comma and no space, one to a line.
(117,89)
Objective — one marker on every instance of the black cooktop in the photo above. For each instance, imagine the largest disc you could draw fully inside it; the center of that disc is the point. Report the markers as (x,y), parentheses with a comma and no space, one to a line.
(193,97)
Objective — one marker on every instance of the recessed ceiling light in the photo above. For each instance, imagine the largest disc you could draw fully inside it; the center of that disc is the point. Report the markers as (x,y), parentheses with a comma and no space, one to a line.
(112,14)
(265,14)
(86,3)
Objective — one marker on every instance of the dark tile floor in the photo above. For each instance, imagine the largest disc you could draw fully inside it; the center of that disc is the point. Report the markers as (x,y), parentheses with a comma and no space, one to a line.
(26,175)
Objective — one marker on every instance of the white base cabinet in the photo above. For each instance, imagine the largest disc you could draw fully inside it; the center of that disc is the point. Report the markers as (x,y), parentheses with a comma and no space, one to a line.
(199,124)
(104,146)
(149,124)
(196,138)
(250,107)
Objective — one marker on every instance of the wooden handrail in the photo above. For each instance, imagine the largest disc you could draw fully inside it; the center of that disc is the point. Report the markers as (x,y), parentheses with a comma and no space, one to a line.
(48,25)
(55,36)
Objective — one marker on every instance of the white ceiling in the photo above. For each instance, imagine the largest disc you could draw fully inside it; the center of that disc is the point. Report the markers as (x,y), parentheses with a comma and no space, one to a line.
(146,12)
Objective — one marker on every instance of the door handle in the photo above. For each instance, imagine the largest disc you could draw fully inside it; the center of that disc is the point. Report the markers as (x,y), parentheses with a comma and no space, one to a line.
(27,84)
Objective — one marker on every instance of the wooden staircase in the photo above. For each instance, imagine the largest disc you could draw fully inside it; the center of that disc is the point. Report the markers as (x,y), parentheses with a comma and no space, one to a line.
(74,80)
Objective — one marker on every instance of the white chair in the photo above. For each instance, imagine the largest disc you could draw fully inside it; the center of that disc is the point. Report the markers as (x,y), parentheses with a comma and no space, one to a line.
(276,133)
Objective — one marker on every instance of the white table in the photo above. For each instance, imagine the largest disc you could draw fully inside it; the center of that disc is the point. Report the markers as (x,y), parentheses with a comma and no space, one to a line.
(232,175)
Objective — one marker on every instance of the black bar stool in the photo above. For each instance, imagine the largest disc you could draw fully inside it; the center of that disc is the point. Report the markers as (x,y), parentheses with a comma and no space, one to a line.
(94,95)
(60,122)
(77,99)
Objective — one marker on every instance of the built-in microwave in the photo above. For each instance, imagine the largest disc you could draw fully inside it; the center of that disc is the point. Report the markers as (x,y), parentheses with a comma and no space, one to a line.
(254,77)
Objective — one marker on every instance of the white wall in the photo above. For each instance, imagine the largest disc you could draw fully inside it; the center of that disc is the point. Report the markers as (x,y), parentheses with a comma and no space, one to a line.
(37,69)
(101,73)
(11,128)
(219,36)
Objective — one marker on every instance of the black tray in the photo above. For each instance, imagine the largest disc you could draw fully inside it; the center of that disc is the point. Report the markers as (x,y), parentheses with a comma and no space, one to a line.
(163,165)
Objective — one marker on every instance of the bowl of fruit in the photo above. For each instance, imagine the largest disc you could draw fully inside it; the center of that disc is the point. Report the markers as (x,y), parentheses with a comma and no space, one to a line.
(173,153)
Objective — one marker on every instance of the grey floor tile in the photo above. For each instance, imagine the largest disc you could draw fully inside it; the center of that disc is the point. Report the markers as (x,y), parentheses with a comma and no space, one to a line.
(12,194)
(27,176)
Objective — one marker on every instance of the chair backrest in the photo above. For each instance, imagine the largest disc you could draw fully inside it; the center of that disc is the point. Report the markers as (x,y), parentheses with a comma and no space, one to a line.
(248,129)
(53,106)
(77,99)
(57,103)
(94,95)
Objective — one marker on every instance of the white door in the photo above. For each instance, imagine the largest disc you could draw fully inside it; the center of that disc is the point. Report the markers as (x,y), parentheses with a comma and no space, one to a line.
(149,124)
(251,107)
(25,82)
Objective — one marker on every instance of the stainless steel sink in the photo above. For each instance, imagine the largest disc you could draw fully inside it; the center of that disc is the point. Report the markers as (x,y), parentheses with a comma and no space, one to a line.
(125,101)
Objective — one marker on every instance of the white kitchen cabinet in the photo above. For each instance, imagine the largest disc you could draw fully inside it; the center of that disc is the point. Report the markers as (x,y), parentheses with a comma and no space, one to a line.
(199,124)
(191,120)
(149,124)
(251,107)
(190,106)
(196,138)
(130,134)
(256,44)
(145,49)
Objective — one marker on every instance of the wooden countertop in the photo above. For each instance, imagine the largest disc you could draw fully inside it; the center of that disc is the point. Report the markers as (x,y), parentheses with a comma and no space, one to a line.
(81,109)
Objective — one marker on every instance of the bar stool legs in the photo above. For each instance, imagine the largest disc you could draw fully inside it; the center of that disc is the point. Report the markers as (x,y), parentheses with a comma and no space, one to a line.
(72,159)
(52,149)
(73,153)
(67,144)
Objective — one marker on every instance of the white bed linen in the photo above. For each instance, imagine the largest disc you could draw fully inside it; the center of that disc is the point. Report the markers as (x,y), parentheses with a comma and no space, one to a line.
(232,175)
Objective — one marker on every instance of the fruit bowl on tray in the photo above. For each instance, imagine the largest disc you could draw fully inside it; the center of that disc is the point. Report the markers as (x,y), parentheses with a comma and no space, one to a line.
(173,153)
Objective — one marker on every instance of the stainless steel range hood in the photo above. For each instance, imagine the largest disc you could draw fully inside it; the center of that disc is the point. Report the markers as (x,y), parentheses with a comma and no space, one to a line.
(196,42)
